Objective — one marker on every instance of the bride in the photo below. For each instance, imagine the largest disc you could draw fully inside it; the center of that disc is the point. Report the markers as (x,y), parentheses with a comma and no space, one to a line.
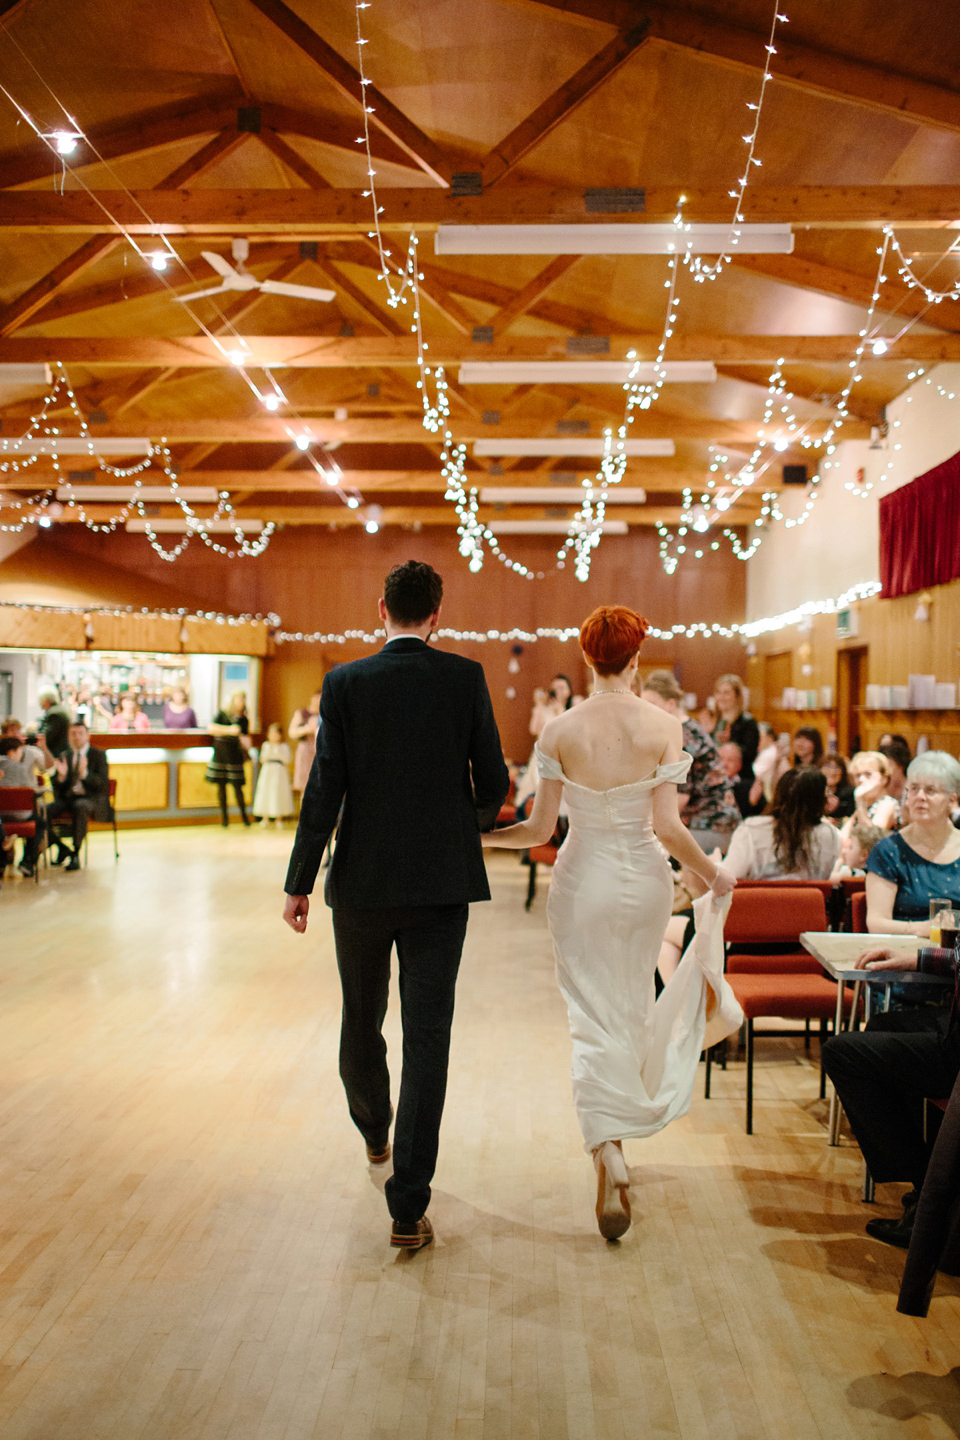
(618,759)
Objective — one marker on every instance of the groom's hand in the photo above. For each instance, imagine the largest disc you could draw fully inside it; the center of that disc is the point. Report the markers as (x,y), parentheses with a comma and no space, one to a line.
(295,911)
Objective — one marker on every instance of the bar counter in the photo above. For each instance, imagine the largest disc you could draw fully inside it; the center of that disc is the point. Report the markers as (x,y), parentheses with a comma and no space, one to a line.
(160,776)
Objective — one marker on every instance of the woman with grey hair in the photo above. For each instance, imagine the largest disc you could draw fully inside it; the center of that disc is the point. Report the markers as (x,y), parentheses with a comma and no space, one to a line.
(921,862)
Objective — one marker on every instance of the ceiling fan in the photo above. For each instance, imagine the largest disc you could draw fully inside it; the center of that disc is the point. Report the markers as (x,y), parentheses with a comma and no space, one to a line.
(239,278)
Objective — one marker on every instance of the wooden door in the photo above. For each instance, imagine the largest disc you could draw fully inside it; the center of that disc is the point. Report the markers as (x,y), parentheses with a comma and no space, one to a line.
(851,694)
(777,676)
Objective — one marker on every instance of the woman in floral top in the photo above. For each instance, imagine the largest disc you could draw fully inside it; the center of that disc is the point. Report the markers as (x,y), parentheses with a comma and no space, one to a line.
(704,806)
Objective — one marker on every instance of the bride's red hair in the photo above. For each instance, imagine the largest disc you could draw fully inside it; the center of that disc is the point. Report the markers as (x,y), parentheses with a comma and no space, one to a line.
(611,636)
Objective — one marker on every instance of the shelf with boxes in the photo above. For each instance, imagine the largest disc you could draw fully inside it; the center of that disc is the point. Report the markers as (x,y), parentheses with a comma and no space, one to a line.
(921,692)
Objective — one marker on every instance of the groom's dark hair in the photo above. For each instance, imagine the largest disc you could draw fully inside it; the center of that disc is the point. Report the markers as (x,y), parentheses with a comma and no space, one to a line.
(412,592)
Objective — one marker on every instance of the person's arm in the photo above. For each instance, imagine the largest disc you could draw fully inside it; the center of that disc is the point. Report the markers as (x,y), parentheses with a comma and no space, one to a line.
(881,898)
(488,769)
(535,831)
(215,728)
(322,798)
(298,729)
(739,856)
(677,840)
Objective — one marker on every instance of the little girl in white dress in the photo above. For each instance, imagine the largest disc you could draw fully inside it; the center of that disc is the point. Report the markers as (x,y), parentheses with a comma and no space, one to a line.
(273,799)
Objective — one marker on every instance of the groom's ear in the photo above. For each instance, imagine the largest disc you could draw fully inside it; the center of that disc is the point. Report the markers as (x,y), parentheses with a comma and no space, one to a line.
(382,610)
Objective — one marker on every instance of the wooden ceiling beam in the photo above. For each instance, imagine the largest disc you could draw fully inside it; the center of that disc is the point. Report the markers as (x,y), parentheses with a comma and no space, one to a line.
(857,289)
(337,352)
(805,67)
(313,214)
(271,429)
(562,103)
(293,160)
(34,299)
(346,80)
(334,276)
(533,291)
(335,130)
(870,414)
(336,513)
(649,474)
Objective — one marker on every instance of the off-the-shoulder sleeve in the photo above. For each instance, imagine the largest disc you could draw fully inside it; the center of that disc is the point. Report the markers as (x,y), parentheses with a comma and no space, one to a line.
(549,768)
(674,772)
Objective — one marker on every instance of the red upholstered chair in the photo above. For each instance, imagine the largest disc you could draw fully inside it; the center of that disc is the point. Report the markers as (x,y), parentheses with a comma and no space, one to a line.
(780,983)
(14,798)
(858,912)
(506,816)
(538,855)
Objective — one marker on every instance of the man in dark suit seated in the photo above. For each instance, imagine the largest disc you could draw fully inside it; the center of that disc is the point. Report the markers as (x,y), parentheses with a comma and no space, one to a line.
(408,743)
(81,790)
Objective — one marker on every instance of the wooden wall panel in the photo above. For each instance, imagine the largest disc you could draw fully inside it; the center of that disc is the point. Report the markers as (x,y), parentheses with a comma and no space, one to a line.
(194,792)
(33,630)
(208,637)
(141,787)
(135,632)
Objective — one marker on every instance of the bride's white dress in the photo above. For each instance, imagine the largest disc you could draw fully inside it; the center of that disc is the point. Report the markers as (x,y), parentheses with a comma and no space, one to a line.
(611,895)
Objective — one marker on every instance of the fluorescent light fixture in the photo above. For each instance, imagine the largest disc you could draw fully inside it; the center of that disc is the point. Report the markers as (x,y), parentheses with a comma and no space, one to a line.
(149,494)
(16,374)
(583,445)
(551,527)
(554,494)
(74,445)
(583,372)
(179,527)
(629,239)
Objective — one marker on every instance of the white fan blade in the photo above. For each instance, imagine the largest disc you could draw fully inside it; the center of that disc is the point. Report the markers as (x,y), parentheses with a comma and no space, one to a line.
(202,294)
(222,267)
(297,292)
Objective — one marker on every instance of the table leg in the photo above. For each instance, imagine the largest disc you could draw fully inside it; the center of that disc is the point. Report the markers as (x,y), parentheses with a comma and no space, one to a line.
(833,1119)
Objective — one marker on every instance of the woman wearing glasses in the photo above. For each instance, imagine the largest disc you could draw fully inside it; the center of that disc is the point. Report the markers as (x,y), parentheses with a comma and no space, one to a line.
(922,861)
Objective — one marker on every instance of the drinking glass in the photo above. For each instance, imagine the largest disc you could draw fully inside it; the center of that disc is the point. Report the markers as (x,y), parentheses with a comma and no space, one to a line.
(949,928)
(936,906)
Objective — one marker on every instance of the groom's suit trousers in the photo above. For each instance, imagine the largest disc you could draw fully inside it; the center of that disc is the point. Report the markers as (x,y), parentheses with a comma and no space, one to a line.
(429,940)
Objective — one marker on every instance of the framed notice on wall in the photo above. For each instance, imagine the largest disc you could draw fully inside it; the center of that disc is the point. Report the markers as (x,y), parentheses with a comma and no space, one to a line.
(848,624)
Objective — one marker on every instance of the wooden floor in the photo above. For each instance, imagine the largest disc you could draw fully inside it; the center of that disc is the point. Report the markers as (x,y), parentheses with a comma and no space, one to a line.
(192,1246)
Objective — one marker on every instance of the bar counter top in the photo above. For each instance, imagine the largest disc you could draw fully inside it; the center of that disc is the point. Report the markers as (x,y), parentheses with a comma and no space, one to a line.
(149,739)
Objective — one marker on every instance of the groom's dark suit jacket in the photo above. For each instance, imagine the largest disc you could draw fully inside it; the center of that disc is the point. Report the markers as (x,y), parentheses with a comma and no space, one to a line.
(408,743)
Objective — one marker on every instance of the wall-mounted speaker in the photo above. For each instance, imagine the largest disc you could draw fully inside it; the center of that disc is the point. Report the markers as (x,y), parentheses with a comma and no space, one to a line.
(794,474)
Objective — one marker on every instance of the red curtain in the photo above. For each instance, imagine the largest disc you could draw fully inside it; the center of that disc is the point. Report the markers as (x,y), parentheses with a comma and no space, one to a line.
(920,532)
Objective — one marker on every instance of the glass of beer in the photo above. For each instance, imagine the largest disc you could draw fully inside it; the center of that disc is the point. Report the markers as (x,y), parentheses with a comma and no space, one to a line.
(949,922)
(936,906)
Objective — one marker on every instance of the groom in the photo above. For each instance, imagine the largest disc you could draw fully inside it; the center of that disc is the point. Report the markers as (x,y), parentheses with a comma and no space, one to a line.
(408,744)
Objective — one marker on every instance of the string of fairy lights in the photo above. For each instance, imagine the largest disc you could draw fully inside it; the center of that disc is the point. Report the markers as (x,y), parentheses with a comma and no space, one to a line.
(401,279)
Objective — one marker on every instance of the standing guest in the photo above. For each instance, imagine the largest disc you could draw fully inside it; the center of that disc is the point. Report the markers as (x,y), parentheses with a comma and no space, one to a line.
(81,790)
(840,803)
(897,753)
(704,808)
(177,713)
(273,798)
(807,746)
(230,728)
(16,771)
(129,716)
(793,842)
(53,727)
(103,706)
(734,722)
(870,776)
(409,746)
(769,765)
(921,861)
(303,729)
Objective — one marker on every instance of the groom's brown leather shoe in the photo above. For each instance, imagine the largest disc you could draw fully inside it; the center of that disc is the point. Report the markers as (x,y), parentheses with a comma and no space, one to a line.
(379,1157)
(411,1235)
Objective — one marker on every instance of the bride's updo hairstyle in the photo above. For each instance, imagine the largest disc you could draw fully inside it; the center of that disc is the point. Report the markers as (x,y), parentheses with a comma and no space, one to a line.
(611,636)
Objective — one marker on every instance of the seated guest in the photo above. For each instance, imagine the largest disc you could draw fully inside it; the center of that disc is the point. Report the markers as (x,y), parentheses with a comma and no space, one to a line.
(17,772)
(38,761)
(738,786)
(52,729)
(885,1072)
(793,842)
(840,803)
(869,775)
(807,746)
(81,788)
(704,807)
(854,849)
(129,716)
(177,714)
(922,861)
(897,753)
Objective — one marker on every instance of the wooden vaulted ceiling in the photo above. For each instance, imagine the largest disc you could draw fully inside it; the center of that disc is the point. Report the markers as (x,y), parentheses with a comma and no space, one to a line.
(227,118)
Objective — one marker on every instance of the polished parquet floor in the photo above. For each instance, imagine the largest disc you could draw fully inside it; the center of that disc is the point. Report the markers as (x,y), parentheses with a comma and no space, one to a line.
(192,1246)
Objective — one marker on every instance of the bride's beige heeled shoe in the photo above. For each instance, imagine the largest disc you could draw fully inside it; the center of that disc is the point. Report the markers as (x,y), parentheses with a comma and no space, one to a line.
(613,1184)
